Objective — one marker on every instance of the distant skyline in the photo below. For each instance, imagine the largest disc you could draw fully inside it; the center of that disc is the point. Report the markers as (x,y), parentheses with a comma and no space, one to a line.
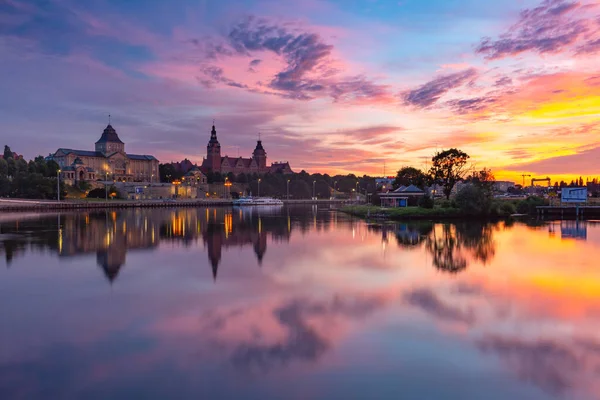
(333,86)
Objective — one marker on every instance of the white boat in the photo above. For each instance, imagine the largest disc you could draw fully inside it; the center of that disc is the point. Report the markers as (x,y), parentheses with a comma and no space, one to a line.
(257,201)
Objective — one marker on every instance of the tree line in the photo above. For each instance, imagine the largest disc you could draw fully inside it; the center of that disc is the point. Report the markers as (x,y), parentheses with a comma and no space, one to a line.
(34,179)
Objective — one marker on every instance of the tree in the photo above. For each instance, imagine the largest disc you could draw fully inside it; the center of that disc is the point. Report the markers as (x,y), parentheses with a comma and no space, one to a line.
(7,152)
(484,180)
(449,167)
(410,176)
(3,167)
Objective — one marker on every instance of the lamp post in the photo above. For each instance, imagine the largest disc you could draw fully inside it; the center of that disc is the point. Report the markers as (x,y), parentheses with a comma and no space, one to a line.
(258,194)
(288,189)
(151,180)
(106,186)
(58,185)
(227,187)
(314,197)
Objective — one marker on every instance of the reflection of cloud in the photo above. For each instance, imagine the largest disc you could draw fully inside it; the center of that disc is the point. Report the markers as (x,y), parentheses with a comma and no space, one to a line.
(302,343)
(554,366)
(302,340)
(429,302)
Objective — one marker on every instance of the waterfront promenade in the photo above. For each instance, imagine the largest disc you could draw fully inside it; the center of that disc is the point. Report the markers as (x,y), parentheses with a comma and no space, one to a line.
(42,205)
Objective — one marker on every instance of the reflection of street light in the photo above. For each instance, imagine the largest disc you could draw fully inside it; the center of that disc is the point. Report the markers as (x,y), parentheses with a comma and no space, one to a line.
(288,189)
(58,185)
(314,182)
(258,188)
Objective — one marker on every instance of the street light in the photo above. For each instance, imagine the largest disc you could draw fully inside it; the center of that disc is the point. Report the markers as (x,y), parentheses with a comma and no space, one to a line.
(288,189)
(314,197)
(258,195)
(106,185)
(228,187)
(58,185)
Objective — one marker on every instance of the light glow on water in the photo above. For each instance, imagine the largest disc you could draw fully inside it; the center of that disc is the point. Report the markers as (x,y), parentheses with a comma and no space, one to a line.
(301,303)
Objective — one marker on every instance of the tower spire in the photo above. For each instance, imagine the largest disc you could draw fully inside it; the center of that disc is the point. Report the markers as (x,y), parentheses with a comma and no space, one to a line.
(109,119)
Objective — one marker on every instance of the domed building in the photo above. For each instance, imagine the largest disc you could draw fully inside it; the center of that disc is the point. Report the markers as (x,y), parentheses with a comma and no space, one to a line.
(108,161)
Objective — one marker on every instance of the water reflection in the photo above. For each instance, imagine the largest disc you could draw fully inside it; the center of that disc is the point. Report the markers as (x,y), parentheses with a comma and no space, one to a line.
(305,300)
(112,234)
(450,245)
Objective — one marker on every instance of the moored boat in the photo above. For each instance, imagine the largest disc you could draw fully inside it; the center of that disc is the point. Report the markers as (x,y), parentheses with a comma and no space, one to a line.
(257,201)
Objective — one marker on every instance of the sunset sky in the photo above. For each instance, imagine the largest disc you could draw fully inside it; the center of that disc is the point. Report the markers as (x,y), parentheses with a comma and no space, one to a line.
(333,86)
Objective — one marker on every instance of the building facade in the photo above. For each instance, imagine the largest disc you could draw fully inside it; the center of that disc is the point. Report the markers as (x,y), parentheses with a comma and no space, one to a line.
(108,161)
(257,164)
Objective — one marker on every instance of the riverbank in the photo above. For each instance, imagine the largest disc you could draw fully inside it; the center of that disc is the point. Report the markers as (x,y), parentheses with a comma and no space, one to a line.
(49,205)
(409,213)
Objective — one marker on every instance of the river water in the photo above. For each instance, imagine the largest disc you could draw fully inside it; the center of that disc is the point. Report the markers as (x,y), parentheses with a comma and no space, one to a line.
(298,303)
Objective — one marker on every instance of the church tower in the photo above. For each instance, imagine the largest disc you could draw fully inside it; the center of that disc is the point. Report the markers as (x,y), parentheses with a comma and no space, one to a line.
(260,155)
(213,151)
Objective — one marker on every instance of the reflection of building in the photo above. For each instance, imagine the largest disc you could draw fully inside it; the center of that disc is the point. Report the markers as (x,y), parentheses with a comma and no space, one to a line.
(257,164)
(108,160)
(109,235)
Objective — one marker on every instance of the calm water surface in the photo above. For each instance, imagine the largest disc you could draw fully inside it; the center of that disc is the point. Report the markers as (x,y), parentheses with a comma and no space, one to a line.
(299,303)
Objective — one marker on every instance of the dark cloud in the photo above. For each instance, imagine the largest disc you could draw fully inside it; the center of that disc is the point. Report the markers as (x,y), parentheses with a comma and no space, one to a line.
(429,302)
(370,133)
(427,94)
(214,75)
(591,47)
(301,51)
(357,88)
(307,74)
(548,28)
(504,81)
(466,106)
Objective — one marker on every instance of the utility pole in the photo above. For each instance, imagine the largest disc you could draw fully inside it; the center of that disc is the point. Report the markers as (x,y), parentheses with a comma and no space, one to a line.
(288,189)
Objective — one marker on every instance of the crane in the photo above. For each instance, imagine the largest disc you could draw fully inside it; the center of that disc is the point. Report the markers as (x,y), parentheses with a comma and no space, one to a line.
(525,175)
(546,179)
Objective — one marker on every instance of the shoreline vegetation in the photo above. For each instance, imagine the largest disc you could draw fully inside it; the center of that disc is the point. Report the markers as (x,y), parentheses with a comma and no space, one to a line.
(447,210)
